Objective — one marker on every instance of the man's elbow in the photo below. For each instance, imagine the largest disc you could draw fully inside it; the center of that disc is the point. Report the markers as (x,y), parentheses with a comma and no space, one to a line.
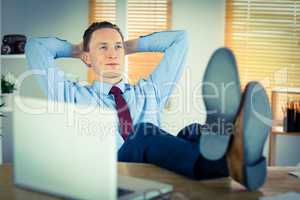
(40,45)
(183,33)
(183,38)
(31,44)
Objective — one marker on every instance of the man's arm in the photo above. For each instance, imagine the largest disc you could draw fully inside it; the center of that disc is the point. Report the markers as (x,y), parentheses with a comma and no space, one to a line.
(174,45)
(77,50)
(131,46)
(41,54)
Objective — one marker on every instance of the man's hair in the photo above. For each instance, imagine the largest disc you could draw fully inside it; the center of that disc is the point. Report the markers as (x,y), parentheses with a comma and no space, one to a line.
(95,26)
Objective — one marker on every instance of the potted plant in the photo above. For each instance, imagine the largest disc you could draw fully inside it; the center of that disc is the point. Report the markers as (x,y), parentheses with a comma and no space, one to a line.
(7,88)
(8,83)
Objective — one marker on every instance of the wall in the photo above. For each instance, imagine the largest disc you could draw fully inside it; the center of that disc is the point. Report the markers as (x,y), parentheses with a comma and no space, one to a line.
(204,22)
(66,19)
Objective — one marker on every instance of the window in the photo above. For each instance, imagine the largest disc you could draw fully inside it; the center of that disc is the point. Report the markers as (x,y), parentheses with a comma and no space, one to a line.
(103,10)
(143,17)
(265,37)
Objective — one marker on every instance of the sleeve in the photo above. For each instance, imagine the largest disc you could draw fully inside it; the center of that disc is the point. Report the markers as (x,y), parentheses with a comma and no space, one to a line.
(41,54)
(174,45)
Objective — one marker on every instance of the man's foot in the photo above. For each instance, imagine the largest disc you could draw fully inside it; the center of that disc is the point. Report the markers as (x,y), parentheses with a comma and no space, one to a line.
(222,95)
(245,159)
(221,88)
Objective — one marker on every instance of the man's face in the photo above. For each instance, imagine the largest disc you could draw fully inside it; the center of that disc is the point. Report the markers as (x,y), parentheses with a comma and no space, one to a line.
(106,55)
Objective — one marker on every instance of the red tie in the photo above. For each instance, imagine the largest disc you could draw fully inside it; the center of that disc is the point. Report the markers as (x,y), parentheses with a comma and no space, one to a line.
(123,112)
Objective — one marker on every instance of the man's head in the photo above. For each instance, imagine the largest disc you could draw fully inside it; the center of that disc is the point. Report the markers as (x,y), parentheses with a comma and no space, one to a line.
(103,46)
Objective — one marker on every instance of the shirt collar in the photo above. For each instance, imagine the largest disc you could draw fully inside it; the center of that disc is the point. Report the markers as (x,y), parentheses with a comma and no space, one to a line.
(104,88)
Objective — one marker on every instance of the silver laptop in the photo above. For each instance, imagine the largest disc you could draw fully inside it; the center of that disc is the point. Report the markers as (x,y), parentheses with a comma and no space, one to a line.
(70,151)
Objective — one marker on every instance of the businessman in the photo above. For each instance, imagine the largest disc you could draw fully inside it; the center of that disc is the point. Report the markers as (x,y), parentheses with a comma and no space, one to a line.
(198,151)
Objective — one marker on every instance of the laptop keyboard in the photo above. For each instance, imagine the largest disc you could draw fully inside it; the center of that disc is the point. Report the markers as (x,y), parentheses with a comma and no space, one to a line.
(122,192)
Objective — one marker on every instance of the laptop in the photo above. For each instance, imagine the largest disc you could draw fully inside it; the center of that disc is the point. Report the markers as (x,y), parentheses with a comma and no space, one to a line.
(70,151)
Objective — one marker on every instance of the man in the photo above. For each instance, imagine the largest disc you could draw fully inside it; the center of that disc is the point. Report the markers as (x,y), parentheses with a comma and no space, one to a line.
(236,152)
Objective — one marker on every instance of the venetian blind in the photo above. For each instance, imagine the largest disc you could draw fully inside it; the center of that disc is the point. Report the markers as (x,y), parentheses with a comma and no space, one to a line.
(144,17)
(265,37)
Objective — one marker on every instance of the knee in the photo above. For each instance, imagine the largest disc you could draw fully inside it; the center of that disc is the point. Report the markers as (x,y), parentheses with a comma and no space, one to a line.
(131,152)
(143,129)
(191,129)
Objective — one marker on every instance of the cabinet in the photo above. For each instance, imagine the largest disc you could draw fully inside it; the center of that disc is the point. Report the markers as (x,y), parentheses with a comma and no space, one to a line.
(15,56)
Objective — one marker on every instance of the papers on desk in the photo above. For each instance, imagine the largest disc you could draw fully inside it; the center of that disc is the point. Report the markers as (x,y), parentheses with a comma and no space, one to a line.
(296,172)
(288,195)
(284,196)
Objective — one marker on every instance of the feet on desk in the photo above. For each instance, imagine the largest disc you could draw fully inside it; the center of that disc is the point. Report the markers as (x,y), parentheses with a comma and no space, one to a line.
(245,159)
(249,115)
(221,81)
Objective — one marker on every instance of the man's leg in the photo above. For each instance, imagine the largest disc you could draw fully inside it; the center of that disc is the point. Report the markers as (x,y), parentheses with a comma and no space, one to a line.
(248,120)
(150,144)
(204,168)
(191,133)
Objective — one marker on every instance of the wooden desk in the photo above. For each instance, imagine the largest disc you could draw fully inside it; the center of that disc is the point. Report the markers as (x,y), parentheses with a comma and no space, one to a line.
(277,131)
(278,182)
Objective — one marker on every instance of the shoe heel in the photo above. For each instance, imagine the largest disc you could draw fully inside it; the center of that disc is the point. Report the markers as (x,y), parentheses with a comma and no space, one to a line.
(255,174)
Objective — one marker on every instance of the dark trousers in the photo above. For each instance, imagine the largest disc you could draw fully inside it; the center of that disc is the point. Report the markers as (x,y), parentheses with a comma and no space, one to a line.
(150,144)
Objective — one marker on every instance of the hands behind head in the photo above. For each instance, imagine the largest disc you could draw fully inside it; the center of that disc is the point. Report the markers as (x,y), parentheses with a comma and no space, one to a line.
(78,52)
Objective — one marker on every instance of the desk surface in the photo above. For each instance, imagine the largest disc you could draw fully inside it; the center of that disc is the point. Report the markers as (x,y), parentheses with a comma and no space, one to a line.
(278,182)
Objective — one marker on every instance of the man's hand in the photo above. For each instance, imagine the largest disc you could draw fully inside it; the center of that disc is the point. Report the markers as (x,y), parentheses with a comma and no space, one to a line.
(131,46)
(77,52)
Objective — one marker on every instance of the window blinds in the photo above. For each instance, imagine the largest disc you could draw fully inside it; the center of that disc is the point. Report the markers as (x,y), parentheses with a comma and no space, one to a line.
(145,17)
(265,37)
(103,10)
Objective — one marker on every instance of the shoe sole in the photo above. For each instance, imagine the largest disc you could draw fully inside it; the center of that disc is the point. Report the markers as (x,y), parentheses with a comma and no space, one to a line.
(257,121)
(222,95)
(221,78)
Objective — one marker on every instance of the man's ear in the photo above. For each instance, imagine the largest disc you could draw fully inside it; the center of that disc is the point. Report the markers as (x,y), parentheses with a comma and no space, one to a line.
(85,57)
